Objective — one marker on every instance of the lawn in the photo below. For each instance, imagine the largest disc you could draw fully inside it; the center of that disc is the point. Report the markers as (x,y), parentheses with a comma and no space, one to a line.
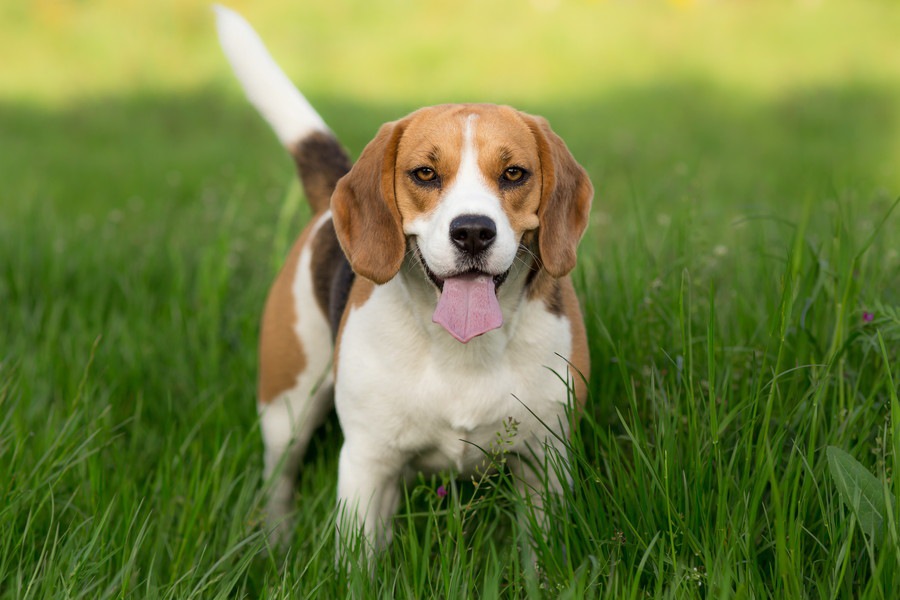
(740,281)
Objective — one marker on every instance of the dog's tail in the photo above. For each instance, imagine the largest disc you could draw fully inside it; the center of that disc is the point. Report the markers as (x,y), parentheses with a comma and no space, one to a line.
(320,159)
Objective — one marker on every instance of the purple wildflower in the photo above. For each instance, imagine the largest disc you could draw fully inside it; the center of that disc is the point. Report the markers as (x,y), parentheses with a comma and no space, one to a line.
(441,491)
(868,317)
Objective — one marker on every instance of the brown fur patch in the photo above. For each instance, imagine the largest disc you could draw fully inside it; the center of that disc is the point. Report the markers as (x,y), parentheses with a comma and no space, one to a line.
(364,209)
(321,161)
(580,359)
(281,358)
(433,138)
(566,196)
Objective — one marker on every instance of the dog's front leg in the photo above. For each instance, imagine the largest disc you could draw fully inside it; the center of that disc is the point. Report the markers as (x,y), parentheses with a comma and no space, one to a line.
(539,471)
(368,496)
(541,467)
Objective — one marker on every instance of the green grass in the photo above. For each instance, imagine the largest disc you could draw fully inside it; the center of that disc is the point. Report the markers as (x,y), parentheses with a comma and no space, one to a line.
(745,158)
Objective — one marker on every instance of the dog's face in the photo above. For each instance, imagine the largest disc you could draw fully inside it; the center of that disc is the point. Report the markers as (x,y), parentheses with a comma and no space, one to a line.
(463,187)
(468,188)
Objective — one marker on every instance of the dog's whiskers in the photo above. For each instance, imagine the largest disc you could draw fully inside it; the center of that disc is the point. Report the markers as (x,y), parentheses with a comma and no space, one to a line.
(525,250)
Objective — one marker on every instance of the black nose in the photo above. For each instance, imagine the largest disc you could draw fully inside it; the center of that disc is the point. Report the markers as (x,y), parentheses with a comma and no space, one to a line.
(472,233)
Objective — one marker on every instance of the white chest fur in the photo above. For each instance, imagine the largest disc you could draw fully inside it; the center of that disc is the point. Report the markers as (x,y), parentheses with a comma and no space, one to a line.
(423,398)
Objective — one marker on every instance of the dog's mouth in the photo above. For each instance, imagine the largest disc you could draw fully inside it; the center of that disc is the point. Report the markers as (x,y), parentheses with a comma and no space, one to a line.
(439,282)
(468,305)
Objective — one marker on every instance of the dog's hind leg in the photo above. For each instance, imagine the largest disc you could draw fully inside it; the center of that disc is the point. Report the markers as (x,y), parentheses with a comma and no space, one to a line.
(295,378)
(287,426)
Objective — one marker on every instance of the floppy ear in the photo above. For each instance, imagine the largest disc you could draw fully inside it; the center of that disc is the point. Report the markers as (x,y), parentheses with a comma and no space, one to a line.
(364,209)
(566,194)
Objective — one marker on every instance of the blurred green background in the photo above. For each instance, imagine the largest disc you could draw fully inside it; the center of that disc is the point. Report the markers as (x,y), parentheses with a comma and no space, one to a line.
(751,103)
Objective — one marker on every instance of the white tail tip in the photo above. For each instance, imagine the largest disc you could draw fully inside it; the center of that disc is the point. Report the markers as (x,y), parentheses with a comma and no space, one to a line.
(267,87)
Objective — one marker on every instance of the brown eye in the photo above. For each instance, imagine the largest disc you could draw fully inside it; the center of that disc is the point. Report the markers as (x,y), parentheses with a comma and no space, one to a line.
(425,174)
(514,175)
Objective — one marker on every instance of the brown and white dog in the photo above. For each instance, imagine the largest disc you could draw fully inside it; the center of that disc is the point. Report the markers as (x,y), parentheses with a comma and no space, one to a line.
(428,299)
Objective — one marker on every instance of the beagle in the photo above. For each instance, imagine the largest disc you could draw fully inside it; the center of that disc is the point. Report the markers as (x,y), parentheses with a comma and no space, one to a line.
(428,299)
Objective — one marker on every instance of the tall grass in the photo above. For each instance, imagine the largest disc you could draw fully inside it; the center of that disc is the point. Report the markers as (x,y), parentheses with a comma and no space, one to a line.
(740,280)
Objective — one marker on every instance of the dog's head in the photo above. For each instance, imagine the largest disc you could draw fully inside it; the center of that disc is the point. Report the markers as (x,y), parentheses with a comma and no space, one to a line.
(462,186)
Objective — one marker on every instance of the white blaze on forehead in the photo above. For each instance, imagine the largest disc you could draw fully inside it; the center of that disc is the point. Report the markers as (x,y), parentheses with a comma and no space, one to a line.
(470,194)
(468,164)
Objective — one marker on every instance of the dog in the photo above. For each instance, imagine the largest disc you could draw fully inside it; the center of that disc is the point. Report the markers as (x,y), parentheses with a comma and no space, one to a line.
(428,299)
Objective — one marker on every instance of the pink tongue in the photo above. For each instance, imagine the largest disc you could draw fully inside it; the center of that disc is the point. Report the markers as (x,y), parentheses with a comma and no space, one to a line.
(468,307)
